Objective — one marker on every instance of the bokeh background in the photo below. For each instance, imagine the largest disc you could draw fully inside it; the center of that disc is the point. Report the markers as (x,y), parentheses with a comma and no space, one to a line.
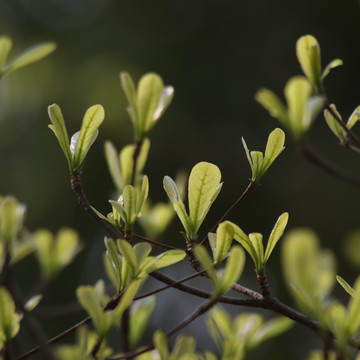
(216,54)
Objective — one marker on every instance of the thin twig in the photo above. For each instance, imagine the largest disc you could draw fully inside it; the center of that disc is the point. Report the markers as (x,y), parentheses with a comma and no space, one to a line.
(250,187)
(153,242)
(309,154)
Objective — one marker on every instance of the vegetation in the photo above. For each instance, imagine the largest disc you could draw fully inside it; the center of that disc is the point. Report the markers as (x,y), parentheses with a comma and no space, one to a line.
(218,257)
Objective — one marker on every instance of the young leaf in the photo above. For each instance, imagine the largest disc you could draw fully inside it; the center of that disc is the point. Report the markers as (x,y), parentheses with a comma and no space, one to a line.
(33,302)
(93,118)
(166,259)
(345,286)
(130,199)
(129,89)
(184,347)
(297,92)
(268,100)
(354,117)
(234,267)
(59,129)
(171,189)
(5,47)
(276,234)
(139,318)
(9,319)
(274,147)
(257,241)
(160,342)
(128,253)
(206,262)
(334,125)
(308,54)
(30,55)
(115,261)
(204,186)
(112,159)
(224,237)
(354,310)
(333,64)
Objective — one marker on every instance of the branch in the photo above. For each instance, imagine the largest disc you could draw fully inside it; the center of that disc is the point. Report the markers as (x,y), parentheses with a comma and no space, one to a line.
(309,154)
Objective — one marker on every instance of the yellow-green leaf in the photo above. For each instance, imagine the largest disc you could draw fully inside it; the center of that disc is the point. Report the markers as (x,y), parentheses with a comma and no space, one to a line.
(167,258)
(5,48)
(128,253)
(274,147)
(350,290)
(9,319)
(354,117)
(113,163)
(308,54)
(334,125)
(224,237)
(204,186)
(257,242)
(333,64)
(93,118)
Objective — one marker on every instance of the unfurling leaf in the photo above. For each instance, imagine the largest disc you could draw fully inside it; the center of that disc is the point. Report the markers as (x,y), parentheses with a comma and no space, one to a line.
(9,319)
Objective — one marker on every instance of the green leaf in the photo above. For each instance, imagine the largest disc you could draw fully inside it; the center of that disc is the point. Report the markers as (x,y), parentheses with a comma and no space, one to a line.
(308,54)
(204,186)
(184,345)
(141,250)
(5,48)
(180,210)
(160,342)
(354,310)
(150,89)
(126,164)
(67,246)
(333,64)
(274,147)
(234,267)
(139,318)
(11,219)
(354,118)
(257,165)
(244,240)
(91,302)
(206,262)
(297,92)
(171,190)
(224,237)
(9,319)
(30,55)
(93,118)
(167,258)
(126,300)
(113,163)
(313,107)
(129,89)
(345,286)
(269,100)
(334,125)
(128,253)
(257,241)
(114,258)
(142,196)
(130,200)
(276,234)
(33,302)
(270,329)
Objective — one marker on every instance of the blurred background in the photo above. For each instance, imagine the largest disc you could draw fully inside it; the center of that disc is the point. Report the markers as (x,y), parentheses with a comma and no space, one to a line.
(216,54)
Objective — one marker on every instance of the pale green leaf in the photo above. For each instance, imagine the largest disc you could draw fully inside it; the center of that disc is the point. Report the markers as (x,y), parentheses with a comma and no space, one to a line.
(141,250)
(164,101)
(59,129)
(160,342)
(30,55)
(126,164)
(119,208)
(67,246)
(269,100)
(5,48)
(73,143)
(126,300)
(354,118)
(274,146)
(167,258)
(308,54)
(206,262)
(91,302)
(313,107)
(115,260)
(204,182)
(276,234)
(113,163)
(333,64)
(350,290)
(354,310)
(45,252)
(149,91)
(93,118)
(297,91)
(247,152)
(128,253)
(180,210)
(224,237)
(184,345)
(129,89)
(33,302)
(244,240)
(130,200)
(171,190)
(142,196)
(257,161)
(269,329)
(139,318)
(334,125)
(141,160)
(257,241)
(9,319)
(234,267)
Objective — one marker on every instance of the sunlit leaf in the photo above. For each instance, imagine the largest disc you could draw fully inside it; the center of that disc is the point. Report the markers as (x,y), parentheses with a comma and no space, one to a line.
(350,290)
(206,262)
(274,146)
(257,242)
(308,54)
(160,342)
(354,310)
(204,186)
(130,199)
(224,237)
(93,118)
(33,302)
(128,253)
(171,189)
(5,48)
(113,163)
(354,118)
(30,55)
(333,64)
(9,319)
(276,234)
(167,258)
(114,258)
(184,345)
(129,89)
(139,318)
(273,105)
(333,123)
(180,210)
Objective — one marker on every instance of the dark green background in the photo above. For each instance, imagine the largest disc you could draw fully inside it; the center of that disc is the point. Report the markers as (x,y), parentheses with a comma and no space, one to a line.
(216,54)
